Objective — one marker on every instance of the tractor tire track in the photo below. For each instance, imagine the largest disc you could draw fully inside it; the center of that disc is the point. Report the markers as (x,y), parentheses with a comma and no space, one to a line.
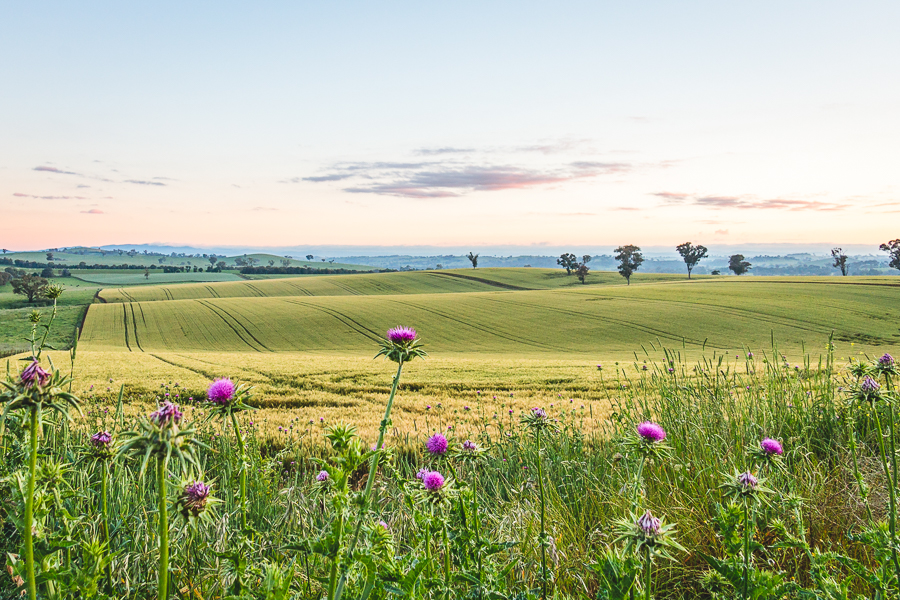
(137,340)
(227,323)
(240,324)
(213,292)
(505,286)
(125,324)
(346,320)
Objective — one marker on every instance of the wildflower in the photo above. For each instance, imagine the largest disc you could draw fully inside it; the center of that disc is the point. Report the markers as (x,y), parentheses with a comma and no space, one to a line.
(869,385)
(466,408)
(422,473)
(437,444)
(166,415)
(649,524)
(770,446)
(193,498)
(221,391)
(33,373)
(469,445)
(401,335)
(749,355)
(747,481)
(322,476)
(433,481)
(383,525)
(886,361)
(538,413)
(651,431)
(101,439)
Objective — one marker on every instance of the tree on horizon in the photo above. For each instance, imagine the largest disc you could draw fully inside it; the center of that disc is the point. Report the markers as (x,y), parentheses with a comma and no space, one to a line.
(567,261)
(473,258)
(893,250)
(737,264)
(840,260)
(630,259)
(691,254)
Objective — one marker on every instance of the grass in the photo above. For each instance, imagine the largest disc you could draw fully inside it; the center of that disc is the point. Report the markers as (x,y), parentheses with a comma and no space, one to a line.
(156,277)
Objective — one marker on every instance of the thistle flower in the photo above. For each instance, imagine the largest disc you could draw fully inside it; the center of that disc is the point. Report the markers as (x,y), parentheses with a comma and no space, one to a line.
(649,524)
(100,443)
(538,412)
(166,415)
(322,476)
(193,498)
(869,385)
(469,445)
(770,446)
(433,481)
(437,444)
(221,391)
(651,432)
(420,475)
(34,374)
(747,481)
(886,360)
(401,335)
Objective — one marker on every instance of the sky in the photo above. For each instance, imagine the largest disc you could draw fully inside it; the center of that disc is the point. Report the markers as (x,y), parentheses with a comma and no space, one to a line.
(449,124)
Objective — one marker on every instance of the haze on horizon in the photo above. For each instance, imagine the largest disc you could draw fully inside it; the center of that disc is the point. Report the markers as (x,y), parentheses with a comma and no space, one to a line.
(401,123)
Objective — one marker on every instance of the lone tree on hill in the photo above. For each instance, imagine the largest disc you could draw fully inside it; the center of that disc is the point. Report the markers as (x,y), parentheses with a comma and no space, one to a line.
(840,260)
(893,249)
(586,259)
(221,266)
(28,285)
(49,257)
(691,254)
(309,257)
(568,262)
(4,278)
(212,258)
(146,273)
(630,259)
(582,272)
(285,262)
(737,264)
(473,258)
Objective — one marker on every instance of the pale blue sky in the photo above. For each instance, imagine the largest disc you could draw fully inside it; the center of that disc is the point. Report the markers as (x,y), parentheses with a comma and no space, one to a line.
(462,123)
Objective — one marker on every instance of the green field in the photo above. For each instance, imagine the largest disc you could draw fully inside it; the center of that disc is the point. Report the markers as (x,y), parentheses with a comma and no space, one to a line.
(134,277)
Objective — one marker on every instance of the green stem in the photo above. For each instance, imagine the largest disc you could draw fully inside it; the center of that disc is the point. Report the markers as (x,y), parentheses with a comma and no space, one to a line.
(648,573)
(892,522)
(243,472)
(446,558)
(163,587)
(333,571)
(859,479)
(46,330)
(477,528)
(746,550)
(370,481)
(29,505)
(104,473)
(543,528)
(637,483)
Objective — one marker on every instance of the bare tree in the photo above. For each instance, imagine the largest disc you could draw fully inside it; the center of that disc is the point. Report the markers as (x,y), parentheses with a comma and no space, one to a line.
(840,260)
(691,254)
(473,258)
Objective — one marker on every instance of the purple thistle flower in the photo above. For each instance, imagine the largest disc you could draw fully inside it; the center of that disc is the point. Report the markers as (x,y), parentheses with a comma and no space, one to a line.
(34,374)
(469,445)
(649,524)
(422,473)
(770,446)
(322,476)
(101,439)
(437,444)
(166,415)
(651,431)
(747,481)
(401,335)
(538,412)
(433,481)
(193,498)
(886,361)
(869,385)
(221,391)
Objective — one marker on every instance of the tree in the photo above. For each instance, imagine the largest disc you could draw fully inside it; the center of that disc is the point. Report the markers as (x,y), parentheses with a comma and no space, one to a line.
(272,262)
(630,259)
(221,265)
(4,278)
(473,258)
(28,285)
(212,258)
(716,272)
(5,251)
(893,249)
(49,257)
(691,254)
(309,257)
(66,273)
(586,259)
(568,261)
(737,264)
(146,273)
(285,262)
(840,260)
(47,273)
(582,272)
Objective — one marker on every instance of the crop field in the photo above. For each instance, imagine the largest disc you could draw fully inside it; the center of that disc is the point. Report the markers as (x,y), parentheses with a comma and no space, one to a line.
(133,277)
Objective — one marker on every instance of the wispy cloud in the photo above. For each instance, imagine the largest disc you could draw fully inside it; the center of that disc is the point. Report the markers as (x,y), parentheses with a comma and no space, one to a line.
(47,169)
(20,195)
(445,150)
(142,182)
(93,211)
(721,232)
(748,202)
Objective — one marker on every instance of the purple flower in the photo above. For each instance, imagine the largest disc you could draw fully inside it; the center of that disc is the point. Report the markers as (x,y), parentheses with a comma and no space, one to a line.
(747,481)
(770,446)
(322,476)
(469,445)
(649,524)
(193,498)
(437,444)
(101,439)
(886,361)
(384,525)
(538,412)
(34,374)
(401,335)
(869,385)
(651,431)
(422,473)
(221,391)
(433,481)
(166,415)
(749,355)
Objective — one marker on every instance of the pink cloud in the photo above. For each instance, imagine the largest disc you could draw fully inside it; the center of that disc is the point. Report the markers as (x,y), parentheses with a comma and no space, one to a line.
(93,211)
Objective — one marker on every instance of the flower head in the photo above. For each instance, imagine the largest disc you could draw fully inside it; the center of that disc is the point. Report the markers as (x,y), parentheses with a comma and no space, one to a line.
(648,524)
(101,439)
(886,362)
(34,374)
(538,412)
(433,481)
(437,444)
(401,335)
(421,473)
(221,391)
(322,476)
(770,446)
(869,385)
(469,445)
(747,481)
(193,498)
(651,432)
(166,415)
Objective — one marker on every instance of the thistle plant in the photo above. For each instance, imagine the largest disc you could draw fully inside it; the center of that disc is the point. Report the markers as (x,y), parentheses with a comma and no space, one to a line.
(161,436)
(102,450)
(647,538)
(400,345)
(648,442)
(537,422)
